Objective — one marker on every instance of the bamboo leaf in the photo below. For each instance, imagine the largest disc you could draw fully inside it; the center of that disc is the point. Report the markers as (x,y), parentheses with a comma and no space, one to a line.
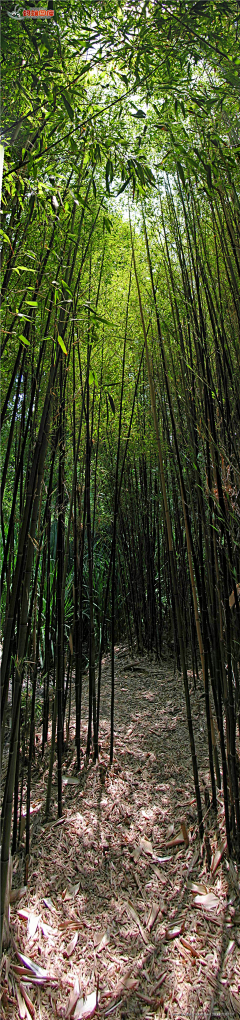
(111,402)
(68,106)
(61,344)
(124,185)
(24,340)
(140,115)
(86,1007)
(24,269)
(208,901)
(71,945)
(181,173)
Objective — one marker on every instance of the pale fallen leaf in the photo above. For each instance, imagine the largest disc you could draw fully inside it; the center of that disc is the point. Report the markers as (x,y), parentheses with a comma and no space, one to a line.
(158,873)
(176,841)
(29,1007)
(146,846)
(71,891)
(125,984)
(133,914)
(32,925)
(136,853)
(101,940)
(31,965)
(23,914)
(209,901)
(70,781)
(163,860)
(153,915)
(48,931)
(160,981)
(86,1007)
(170,831)
(130,983)
(218,857)
(229,950)
(198,888)
(49,903)
(74,997)
(175,931)
(193,861)
(71,945)
(35,807)
(21,1004)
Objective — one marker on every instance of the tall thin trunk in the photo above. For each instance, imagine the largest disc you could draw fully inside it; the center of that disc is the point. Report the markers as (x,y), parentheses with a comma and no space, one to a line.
(172,561)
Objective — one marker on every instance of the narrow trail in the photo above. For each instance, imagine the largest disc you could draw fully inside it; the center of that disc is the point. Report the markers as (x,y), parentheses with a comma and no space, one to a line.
(126,912)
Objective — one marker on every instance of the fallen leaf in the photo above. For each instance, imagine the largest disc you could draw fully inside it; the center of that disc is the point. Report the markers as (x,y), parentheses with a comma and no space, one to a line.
(70,781)
(71,891)
(218,857)
(101,940)
(133,914)
(170,831)
(176,841)
(175,931)
(153,915)
(74,997)
(32,925)
(71,945)
(160,981)
(136,853)
(163,860)
(49,904)
(86,1007)
(209,901)
(198,888)
(38,972)
(187,945)
(28,1002)
(21,1004)
(125,984)
(193,861)
(23,914)
(146,846)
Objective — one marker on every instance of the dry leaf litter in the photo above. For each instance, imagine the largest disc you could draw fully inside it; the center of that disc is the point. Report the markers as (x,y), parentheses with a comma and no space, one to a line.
(126,914)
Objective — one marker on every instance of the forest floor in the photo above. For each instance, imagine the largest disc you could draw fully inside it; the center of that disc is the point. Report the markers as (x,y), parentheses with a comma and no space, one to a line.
(125,912)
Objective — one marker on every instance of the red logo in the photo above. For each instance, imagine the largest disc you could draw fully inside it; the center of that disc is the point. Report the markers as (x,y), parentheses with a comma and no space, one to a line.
(40,12)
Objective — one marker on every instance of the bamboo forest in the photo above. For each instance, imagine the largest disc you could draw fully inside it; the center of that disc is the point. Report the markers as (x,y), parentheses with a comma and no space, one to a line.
(120,510)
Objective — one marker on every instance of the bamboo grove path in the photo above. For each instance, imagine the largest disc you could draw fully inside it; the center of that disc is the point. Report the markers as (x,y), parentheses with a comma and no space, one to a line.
(126,919)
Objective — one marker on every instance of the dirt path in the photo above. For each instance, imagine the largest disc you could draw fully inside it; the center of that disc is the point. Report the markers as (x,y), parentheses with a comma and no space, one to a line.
(110,911)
